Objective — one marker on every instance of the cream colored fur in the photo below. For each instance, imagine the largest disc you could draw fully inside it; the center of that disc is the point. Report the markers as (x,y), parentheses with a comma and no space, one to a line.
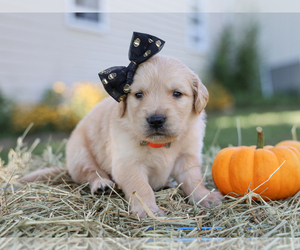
(107,140)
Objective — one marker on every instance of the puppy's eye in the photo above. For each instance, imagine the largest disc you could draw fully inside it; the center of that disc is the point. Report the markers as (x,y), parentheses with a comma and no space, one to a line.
(139,95)
(177,94)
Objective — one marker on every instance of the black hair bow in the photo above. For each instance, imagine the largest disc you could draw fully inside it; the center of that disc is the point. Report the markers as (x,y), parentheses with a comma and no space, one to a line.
(117,80)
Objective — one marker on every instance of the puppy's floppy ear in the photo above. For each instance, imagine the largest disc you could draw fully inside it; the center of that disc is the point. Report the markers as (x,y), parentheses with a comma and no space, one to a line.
(122,107)
(200,94)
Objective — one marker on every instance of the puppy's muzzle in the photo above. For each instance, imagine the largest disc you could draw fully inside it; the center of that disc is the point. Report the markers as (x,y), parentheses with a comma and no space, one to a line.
(156,121)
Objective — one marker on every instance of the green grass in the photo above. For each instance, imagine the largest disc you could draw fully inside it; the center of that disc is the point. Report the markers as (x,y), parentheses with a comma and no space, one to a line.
(276,125)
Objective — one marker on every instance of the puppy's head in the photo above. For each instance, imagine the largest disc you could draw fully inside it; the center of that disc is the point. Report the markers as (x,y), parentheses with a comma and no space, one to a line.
(165,99)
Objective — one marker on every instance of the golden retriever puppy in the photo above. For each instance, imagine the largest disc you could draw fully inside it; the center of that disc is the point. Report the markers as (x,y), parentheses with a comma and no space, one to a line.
(165,106)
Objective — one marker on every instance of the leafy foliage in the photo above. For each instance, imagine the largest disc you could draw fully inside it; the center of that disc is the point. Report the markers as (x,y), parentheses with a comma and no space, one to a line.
(222,66)
(5,110)
(246,75)
(58,111)
(236,63)
(220,98)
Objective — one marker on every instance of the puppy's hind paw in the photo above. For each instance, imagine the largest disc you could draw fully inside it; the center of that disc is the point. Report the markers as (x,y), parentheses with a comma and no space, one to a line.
(212,200)
(160,213)
(101,186)
(143,214)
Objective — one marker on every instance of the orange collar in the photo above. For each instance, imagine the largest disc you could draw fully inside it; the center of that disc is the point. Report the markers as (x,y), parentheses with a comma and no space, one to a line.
(155,145)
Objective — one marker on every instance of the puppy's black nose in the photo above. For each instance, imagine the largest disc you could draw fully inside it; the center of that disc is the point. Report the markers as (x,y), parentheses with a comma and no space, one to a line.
(156,121)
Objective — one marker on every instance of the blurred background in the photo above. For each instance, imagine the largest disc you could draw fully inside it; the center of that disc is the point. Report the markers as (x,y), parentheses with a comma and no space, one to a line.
(249,60)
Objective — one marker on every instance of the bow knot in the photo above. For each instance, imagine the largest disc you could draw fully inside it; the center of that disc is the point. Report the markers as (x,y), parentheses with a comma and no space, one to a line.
(117,80)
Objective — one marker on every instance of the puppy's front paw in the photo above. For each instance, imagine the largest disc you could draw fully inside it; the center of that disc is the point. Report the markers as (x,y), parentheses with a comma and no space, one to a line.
(138,209)
(99,186)
(212,200)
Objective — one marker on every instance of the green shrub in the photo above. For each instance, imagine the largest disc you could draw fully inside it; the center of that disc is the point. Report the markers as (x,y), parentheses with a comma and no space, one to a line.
(236,62)
(58,111)
(220,97)
(52,98)
(5,112)
(222,65)
(247,63)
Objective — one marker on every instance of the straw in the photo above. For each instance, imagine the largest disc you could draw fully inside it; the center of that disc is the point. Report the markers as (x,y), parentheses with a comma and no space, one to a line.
(64,209)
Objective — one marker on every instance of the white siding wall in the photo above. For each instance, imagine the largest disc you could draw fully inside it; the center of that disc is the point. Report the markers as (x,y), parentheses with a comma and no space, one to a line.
(280,37)
(37,49)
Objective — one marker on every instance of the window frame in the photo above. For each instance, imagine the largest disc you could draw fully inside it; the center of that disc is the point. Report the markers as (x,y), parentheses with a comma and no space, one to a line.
(195,11)
(74,22)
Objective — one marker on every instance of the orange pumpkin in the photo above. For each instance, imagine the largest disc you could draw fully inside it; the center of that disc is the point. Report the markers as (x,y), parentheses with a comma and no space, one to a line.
(235,169)
(293,143)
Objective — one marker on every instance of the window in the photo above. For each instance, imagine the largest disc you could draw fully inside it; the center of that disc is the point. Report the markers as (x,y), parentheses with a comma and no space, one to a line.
(87,15)
(196,33)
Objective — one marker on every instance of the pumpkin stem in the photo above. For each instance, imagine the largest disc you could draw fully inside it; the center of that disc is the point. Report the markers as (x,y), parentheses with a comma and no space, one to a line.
(294,134)
(260,138)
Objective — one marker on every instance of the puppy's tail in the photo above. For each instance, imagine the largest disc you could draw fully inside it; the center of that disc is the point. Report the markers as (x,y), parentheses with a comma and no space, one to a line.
(43,174)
